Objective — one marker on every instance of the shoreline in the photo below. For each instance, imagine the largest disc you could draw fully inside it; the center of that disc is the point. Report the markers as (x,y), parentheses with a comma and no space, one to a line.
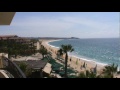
(53,41)
(69,54)
(80,61)
(88,60)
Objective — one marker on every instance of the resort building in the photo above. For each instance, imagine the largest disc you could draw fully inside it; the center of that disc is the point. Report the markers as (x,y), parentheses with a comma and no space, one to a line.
(6,37)
(11,38)
(43,67)
(8,69)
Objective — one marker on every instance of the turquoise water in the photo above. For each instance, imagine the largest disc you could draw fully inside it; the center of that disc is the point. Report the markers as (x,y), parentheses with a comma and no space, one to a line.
(104,51)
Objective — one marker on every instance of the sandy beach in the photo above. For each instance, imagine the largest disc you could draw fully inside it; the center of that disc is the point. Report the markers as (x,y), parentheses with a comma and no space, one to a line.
(75,62)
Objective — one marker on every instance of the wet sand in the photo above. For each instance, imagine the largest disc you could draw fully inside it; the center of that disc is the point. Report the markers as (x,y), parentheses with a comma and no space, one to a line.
(75,62)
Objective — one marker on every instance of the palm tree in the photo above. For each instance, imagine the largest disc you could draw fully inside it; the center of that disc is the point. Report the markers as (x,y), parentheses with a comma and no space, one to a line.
(109,71)
(26,70)
(43,51)
(33,41)
(60,51)
(23,66)
(81,75)
(65,49)
(88,74)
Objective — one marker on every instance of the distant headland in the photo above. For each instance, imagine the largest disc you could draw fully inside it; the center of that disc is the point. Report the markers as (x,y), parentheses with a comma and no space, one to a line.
(55,37)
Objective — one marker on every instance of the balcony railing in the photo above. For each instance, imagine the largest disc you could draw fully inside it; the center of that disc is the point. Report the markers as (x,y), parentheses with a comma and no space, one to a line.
(12,68)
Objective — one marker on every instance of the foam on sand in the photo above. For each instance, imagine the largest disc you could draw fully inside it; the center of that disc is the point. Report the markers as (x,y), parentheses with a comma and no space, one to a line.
(48,43)
(88,60)
(90,63)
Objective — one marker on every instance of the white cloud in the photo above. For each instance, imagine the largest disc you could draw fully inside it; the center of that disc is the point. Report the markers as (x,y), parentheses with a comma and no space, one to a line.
(61,26)
(62,23)
(91,23)
(43,23)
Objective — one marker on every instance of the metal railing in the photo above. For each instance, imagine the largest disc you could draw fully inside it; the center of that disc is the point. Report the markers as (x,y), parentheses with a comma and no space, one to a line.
(12,68)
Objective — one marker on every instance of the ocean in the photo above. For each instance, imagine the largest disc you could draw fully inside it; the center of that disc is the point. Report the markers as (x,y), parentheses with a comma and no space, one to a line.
(103,51)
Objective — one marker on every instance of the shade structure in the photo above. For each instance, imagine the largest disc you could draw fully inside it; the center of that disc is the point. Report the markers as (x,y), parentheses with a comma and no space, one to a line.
(48,65)
(62,73)
(47,69)
(84,65)
(118,69)
(77,62)
(71,76)
(58,76)
(31,58)
(95,69)
(6,18)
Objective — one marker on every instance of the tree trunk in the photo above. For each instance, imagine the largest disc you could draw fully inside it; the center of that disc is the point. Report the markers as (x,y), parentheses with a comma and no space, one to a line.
(66,59)
(43,56)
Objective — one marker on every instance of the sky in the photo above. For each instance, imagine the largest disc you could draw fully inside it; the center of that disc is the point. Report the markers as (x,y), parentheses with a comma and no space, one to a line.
(64,24)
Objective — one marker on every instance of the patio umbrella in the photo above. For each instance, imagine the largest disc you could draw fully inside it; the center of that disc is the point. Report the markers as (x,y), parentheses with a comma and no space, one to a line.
(118,69)
(76,62)
(84,65)
(71,76)
(62,73)
(55,69)
(95,69)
